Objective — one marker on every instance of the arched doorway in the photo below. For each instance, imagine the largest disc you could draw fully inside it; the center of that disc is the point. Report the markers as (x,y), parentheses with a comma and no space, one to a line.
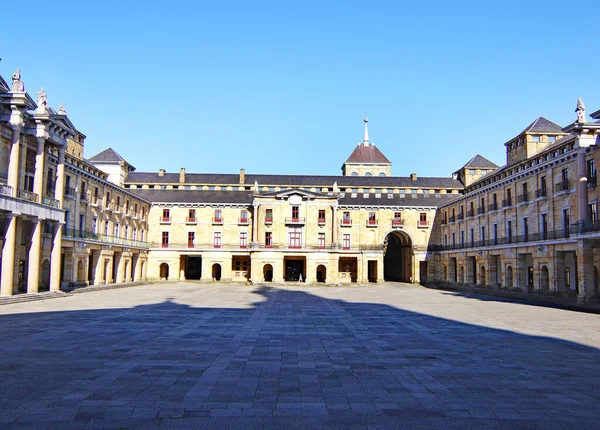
(126,271)
(397,260)
(216,272)
(321,273)
(80,272)
(544,279)
(45,276)
(461,274)
(142,272)
(509,276)
(163,271)
(268,273)
(482,275)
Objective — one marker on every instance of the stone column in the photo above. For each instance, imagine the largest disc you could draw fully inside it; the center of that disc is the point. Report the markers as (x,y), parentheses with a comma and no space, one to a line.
(38,179)
(255,217)
(119,258)
(181,268)
(585,271)
(59,192)
(334,226)
(13,163)
(33,270)
(8,257)
(582,192)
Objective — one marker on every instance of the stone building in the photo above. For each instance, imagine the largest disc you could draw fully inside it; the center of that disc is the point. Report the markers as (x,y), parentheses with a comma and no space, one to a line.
(531,225)
(62,222)
(66,220)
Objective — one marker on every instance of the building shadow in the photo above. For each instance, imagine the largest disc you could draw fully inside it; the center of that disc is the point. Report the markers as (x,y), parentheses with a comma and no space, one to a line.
(292,354)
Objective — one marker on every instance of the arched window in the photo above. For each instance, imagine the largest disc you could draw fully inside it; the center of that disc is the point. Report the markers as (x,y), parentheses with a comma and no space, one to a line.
(368,174)
(381,174)
(353,174)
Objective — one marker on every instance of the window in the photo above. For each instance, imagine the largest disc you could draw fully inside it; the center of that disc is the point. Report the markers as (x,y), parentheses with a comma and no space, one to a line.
(472,234)
(525,228)
(346,241)
(268,239)
(462,238)
(134,233)
(565,177)
(126,232)
(543,184)
(166,216)
(142,235)
(422,219)
(509,196)
(295,238)
(453,239)
(472,171)
(551,138)
(295,213)
(218,215)
(372,219)
(244,216)
(268,215)
(353,174)
(192,215)
(217,239)
(118,202)
(509,231)
(566,220)
(127,206)
(165,239)
(346,218)
(544,226)
(482,235)
(191,239)
(446,240)
(591,172)
(50,181)
(95,225)
(116,230)
(535,138)
(321,215)
(321,240)
(106,228)
(240,265)
(243,239)
(107,199)
(96,194)
(593,213)
(82,194)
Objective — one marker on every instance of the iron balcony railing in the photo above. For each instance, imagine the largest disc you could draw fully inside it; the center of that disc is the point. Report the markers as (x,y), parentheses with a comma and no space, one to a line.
(523,198)
(50,202)
(70,192)
(562,186)
(480,211)
(295,220)
(470,213)
(371,223)
(541,193)
(592,181)
(397,222)
(506,203)
(28,195)
(493,207)
(113,240)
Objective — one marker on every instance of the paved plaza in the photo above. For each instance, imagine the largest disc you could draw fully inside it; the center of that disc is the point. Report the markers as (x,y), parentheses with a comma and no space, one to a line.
(189,355)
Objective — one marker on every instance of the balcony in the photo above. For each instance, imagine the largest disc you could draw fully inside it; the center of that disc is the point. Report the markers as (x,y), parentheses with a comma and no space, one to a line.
(109,207)
(592,181)
(397,222)
(191,220)
(165,220)
(295,220)
(5,190)
(70,192)
(95,201)
(470,214)
(507,203)
(493,207)
(27,195)
(113,240)
(541,193)
(562,187)
(268,220)
(480,211)
(50,202)
(346,222)
(321,221)
(422,224)
(523,198)
(243,221)
(452,219)
(371,223)
(217,221)
(461,217)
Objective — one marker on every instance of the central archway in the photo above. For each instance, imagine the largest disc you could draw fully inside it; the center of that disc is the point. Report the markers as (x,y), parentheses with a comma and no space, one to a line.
(397,260)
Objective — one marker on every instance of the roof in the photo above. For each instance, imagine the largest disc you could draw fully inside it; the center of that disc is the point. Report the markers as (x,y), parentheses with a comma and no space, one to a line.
(316,181)
(367,154)
(542,125)
(479,161)
(194,196)
(109,155)
(244,197)
(595,115)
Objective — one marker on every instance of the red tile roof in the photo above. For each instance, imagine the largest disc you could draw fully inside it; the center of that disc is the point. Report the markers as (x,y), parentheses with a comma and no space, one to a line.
(367,154)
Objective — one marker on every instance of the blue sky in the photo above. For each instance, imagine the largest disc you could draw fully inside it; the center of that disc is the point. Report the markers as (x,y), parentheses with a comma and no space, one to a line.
(282,87)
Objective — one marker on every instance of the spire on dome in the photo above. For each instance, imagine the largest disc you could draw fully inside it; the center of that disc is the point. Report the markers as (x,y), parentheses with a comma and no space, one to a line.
(366,138)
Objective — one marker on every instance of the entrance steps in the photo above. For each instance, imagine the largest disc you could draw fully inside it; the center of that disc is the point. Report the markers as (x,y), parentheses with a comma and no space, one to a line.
(22,298)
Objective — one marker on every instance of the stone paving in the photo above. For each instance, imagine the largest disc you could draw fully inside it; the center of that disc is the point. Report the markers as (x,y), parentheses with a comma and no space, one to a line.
(221,356)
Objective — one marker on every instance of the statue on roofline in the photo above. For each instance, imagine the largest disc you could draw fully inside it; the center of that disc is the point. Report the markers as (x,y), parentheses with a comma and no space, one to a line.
(580,110)
(17,83)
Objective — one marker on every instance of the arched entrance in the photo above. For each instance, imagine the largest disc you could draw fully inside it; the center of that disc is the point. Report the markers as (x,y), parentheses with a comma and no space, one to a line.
(268,273)
(80,272)
(544,279)
(321,273)
(216,272)
(509,277)
(163,270)
(45,276)
(397,260)
(482,276)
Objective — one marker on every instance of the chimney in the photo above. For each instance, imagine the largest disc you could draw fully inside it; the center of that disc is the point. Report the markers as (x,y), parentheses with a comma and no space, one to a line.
(161,172)
(182,175)
(413,176)
(242,176)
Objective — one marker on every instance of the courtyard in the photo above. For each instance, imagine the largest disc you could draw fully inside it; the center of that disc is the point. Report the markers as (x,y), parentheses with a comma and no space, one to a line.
(190,355)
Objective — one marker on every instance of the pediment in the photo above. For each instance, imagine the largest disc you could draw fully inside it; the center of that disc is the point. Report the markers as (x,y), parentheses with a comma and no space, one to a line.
(293,193)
